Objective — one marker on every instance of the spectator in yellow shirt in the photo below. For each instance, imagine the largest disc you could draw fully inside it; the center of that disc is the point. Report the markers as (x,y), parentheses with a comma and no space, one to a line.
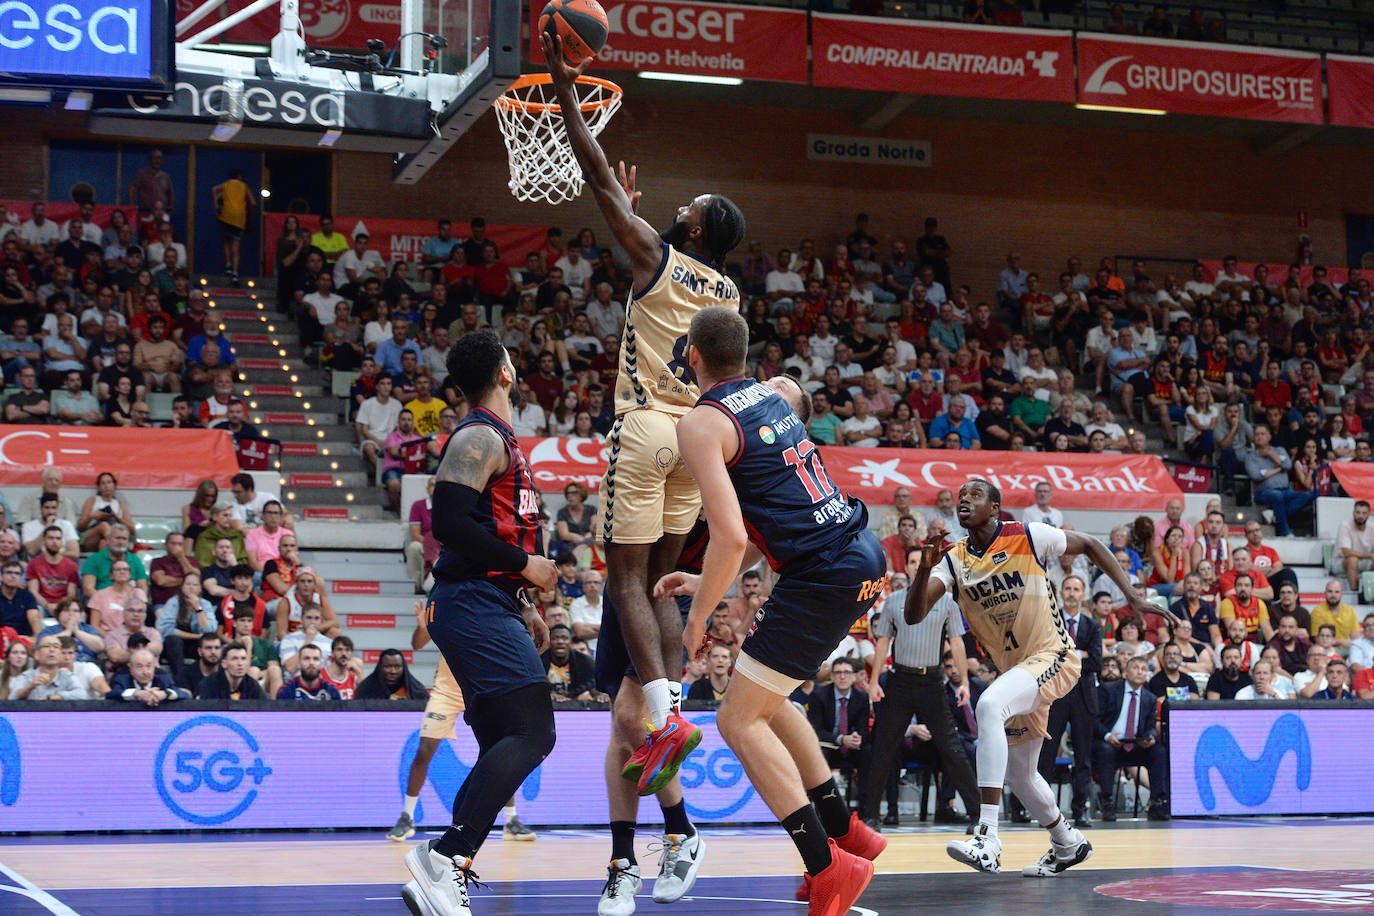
(331,243)
(1337,613)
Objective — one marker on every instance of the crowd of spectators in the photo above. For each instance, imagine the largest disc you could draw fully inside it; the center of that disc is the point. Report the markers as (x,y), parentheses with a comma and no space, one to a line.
(225,610)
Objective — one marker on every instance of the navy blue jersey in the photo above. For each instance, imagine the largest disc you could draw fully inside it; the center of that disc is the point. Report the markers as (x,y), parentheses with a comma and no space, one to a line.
(506,507)
(792,510)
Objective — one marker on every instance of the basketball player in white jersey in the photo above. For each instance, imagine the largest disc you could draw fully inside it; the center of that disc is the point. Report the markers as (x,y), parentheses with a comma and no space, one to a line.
(649,500)
(997,576)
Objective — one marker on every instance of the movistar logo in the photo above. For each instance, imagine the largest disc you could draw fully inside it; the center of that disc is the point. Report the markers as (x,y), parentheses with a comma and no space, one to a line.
(1099,83)
(10,764)
(1250,782)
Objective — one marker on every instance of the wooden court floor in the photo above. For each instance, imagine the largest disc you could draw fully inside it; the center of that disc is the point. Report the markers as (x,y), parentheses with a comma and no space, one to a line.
(746,871)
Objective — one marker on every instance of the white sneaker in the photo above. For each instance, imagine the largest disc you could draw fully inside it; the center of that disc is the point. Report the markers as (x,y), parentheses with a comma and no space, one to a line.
(981,852)
(677,870)
(441,882)
(1060,858)
(622,883)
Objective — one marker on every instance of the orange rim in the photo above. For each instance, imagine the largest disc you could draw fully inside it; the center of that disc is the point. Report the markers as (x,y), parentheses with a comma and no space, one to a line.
(508,100)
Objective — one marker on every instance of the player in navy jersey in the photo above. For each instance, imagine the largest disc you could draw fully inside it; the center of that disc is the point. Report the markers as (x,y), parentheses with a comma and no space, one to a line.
(487,519)
(683,848)
(763,486)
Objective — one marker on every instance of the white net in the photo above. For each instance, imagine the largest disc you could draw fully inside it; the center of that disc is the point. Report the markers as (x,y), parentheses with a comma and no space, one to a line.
(542,164)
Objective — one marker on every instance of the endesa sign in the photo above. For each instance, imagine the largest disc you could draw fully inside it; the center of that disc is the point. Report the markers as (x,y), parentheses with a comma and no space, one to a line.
(1200,78)
(1081,481)
(1350,89)
(86,43)
(139,458)
(928,58)
(404,239)
(708,39)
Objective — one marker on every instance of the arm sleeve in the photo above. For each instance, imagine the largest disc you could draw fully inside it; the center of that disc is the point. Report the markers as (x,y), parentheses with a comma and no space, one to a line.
(1049,542)
(455,528)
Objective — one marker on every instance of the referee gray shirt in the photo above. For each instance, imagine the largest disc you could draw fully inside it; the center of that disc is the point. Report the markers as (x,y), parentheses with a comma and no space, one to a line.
(922,645)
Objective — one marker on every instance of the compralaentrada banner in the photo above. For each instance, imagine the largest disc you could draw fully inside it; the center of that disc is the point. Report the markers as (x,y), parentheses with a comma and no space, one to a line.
(172,769)
(1081,481)
(1268,758)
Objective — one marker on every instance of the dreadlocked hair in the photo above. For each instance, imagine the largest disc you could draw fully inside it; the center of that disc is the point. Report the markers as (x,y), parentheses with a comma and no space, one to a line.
(723,225)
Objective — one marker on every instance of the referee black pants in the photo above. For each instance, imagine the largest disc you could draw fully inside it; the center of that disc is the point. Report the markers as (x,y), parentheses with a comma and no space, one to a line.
(1073,712)
(924,697)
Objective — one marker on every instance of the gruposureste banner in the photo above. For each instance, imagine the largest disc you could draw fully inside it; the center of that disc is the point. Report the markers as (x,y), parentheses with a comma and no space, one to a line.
(403,239)
(1126,482)
(708,39)
(1350,90)
(139,458)
(941,58)
(1200,78)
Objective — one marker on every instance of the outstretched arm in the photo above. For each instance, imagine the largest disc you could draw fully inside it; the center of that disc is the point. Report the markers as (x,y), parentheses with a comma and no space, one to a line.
(1098,554)
(925,591)
(617,205)
(705,437)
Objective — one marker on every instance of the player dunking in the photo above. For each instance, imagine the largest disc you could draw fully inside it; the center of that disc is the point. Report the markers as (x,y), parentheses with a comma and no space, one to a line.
(997,575)
(762,482)
(649,499)
(683,848)
(487,519)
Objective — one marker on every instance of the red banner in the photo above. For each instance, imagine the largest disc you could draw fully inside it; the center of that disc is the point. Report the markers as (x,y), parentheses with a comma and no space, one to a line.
(153,459)
(1278,272)
(403,239)
(929,58)
(1134,483)
(1350,90)
(1356,477)
(327,23)
(1200,78)
(708,39)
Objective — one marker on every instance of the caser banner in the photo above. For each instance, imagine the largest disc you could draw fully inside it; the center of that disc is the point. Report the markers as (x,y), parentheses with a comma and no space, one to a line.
(1200,78)
(142,459)
(403,239)
(1081,481)
(941,58)
(709,39)
(1350,90)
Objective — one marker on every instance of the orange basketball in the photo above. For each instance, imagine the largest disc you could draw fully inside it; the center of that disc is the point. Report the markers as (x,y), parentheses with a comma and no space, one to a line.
(579,27)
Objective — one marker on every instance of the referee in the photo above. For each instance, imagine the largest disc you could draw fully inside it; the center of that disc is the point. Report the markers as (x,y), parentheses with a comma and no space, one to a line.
(916,686)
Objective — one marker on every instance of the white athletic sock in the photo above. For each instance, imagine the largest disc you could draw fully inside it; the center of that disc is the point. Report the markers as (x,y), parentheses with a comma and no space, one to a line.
(411,802)
(659,695)
(988,815)
(1063,834)
(508,812)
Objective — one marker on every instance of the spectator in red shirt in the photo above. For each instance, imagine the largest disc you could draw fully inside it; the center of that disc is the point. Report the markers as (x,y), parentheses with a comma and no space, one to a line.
(216,408)
(896,545)
(492,277)
(51,576)
(546,384)
(1037,307)
(991,335)
(1265,560)
(926,401)
(1273,391)
(1241,564)
(459,276)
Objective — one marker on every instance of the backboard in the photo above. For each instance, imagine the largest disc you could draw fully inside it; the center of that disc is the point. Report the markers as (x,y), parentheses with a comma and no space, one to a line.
(402,76)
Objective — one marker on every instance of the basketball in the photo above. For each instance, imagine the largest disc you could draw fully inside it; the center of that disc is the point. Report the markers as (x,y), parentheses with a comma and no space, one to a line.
(579,27)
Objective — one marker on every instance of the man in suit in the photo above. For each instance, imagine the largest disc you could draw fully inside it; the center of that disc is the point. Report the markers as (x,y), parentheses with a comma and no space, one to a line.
(141,683)
(839,714)
(1078,708)
(1127,736)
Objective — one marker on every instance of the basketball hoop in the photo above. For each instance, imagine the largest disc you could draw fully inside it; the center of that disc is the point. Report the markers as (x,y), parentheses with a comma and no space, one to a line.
(542,164)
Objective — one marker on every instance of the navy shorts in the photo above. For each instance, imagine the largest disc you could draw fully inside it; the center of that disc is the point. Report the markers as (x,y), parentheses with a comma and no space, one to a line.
(613,662)
(808,614)
(480,631)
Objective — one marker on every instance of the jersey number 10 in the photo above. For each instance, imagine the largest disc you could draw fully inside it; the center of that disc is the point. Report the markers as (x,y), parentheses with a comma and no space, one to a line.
(804,460)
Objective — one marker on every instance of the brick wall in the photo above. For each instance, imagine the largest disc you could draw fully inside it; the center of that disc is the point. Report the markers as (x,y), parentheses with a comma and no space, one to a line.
(1046,191)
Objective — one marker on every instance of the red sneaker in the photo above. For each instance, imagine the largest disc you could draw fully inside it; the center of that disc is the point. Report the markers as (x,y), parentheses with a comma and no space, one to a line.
(664,752)
(635,765)
(837,888)
(862,840)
